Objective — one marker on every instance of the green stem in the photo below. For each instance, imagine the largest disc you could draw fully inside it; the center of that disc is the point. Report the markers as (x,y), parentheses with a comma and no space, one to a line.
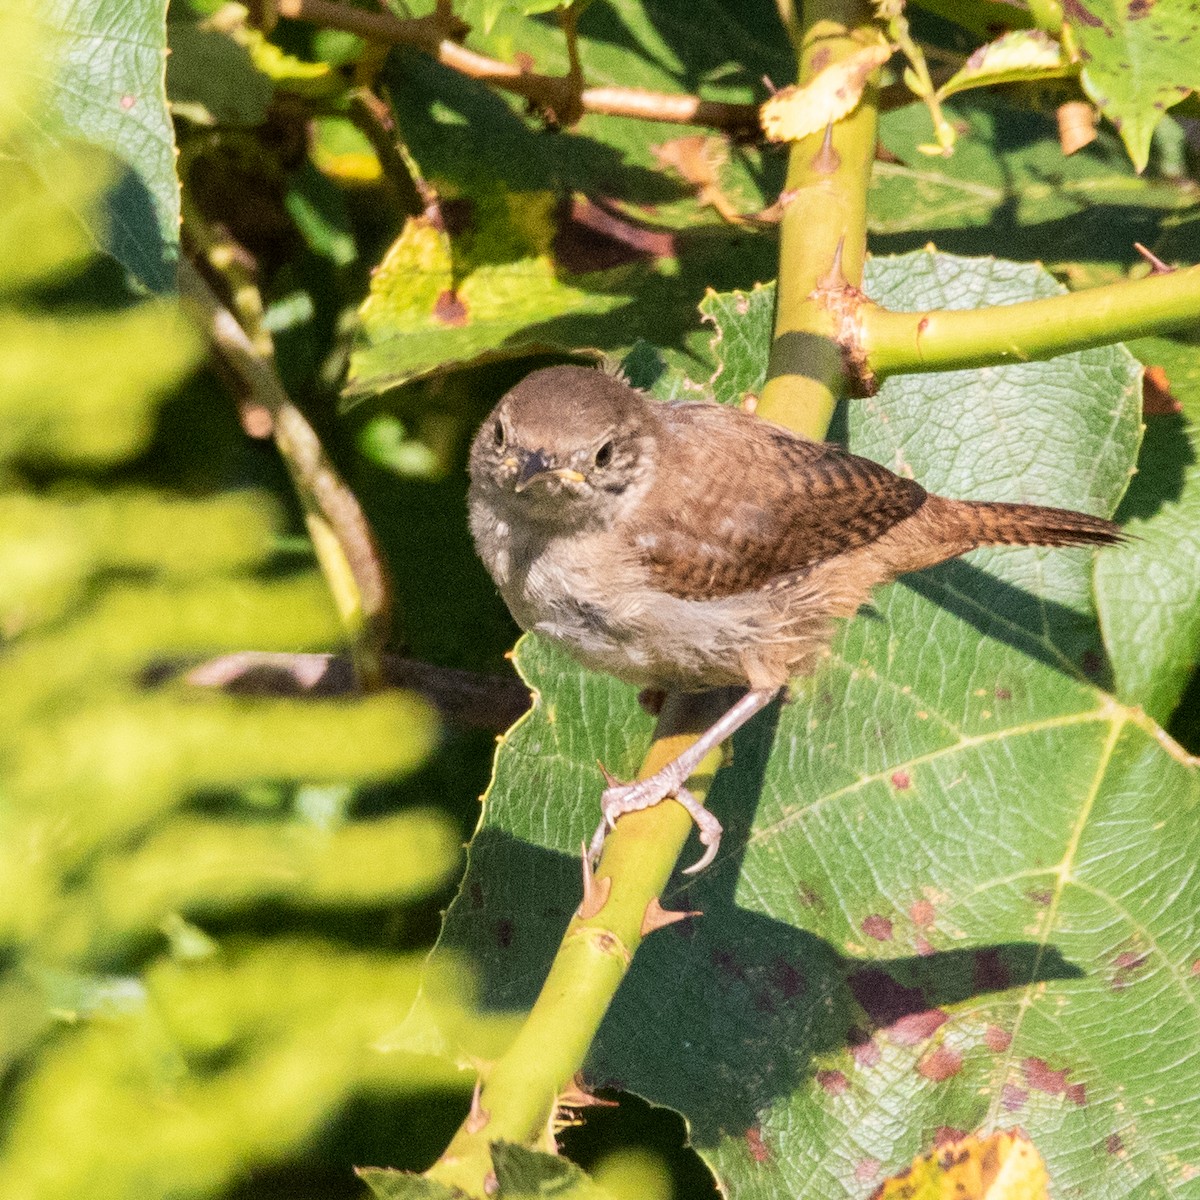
(826,207)
(520,1090)
(899,31)
(896,343)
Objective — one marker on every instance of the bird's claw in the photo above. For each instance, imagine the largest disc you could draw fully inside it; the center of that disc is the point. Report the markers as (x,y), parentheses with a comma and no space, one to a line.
(620,798)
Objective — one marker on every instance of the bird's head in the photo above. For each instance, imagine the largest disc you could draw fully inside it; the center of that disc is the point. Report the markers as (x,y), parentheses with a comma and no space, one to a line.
(568,445)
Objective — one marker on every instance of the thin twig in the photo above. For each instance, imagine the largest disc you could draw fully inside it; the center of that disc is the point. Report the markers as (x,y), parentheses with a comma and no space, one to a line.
(464,698)
(549,93)
(370,114)
(342,537)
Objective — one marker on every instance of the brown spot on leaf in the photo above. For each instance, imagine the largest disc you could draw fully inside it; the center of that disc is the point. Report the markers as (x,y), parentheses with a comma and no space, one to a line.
(698,160)
(1074,10)
(833,1082)
(1012,1098)
(756,1145)
(901,780)
(1041,896)
(764,1002)
(997,1040)
(922,913)
(1003,694)
(820,59)
(877,927)
(924,947)
(1129,960)
(867,1169)
(1113,1143)
(989,971)
(917,1027)
(1139,8)
(726,964)
(1091,662)
(504,933)
(1195,967)
(1127,964)
(449,309)
(883,998)
(1042,1078)
(941,1064)
(866,1054)
(787,979)
(809,897)
(946,1135)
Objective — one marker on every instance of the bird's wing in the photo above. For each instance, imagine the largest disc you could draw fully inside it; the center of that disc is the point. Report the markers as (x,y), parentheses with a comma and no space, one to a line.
(743,503)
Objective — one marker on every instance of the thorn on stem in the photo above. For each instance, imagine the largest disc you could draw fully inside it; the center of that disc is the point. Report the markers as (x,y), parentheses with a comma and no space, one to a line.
(835,279)
(657,917)
(577,1095)
(478,1117)
(1157,266)
(595,891)
(826,160)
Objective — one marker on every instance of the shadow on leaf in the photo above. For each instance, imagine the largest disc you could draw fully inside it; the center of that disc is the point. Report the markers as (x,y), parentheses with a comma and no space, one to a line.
(723,1015)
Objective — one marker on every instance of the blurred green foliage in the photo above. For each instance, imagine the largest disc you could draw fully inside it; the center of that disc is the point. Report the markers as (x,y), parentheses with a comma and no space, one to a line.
(184,874)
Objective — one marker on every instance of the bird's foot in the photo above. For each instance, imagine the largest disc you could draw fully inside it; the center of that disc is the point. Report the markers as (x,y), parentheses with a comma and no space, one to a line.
(621,798)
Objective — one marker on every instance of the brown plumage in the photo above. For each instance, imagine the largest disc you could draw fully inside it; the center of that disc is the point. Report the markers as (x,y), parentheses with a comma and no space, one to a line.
(685,546)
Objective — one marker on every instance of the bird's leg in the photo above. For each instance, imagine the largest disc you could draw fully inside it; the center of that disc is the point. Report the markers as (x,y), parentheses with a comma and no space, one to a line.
(620,798)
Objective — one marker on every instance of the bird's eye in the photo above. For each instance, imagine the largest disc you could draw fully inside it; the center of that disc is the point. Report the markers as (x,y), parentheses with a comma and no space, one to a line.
(498,435)
(604,455)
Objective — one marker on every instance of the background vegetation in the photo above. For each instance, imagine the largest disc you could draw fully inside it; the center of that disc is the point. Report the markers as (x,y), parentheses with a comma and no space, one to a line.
(249,320)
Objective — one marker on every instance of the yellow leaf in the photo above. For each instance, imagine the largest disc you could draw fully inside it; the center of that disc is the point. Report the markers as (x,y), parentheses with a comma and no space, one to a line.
(795,112)
(1001,1166)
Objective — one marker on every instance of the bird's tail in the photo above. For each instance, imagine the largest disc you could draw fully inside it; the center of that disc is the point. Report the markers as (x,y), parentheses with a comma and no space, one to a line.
(986,523)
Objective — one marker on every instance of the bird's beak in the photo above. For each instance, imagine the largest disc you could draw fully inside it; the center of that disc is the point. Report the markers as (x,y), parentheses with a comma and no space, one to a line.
(534,466)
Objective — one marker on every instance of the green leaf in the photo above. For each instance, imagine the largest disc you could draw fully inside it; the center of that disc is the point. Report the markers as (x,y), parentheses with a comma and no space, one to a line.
(1019,56)
(1009,179)
(1139,60)
(956,886)
(524,1174)
(1148,590)
(386,1184)
(106,89)
(742,321)
(431,308)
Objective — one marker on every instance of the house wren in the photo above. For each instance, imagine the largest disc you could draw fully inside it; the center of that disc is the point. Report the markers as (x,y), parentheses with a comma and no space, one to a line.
(684,546)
